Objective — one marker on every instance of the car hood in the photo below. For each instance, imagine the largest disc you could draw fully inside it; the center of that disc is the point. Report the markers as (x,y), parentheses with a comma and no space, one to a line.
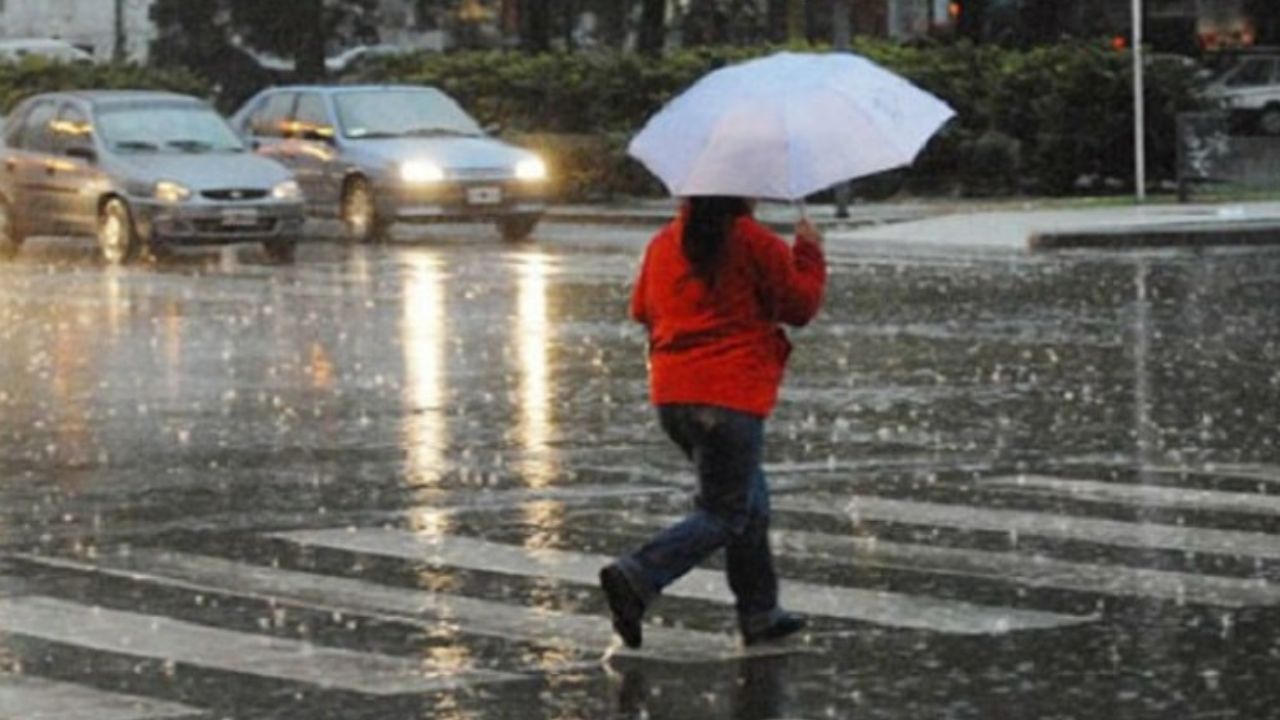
(207,171)
(464,153)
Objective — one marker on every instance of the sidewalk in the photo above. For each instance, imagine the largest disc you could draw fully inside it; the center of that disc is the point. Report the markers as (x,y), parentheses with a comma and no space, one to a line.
(995,226)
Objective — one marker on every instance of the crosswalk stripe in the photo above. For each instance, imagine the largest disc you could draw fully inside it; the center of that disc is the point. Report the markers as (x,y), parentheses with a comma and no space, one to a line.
(1033,571)
(1263,473)
(1037,524)
(1151,495)
(1115,580)
(884,608)
(24,697)
(162,638)
(411,606)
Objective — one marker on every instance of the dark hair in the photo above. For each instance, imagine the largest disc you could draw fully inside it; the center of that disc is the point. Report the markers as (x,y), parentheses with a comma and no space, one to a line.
(707,228)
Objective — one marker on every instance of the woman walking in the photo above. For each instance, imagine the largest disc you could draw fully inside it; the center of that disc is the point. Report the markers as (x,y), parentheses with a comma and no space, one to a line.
(713,292)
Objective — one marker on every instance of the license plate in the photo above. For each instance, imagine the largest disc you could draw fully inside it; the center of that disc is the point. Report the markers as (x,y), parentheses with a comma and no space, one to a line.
(240,218)
(484,195)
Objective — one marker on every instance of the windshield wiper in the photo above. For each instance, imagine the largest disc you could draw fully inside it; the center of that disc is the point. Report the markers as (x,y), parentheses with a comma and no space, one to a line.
(136,145)
(439,132)
(190,145)
(373,135)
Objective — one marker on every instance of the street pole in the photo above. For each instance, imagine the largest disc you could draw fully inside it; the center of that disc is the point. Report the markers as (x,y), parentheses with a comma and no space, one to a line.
(1139,108)
(119,52)
(842,39)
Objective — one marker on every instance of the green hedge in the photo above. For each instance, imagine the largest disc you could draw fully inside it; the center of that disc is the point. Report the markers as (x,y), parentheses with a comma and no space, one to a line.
(1029,121)
(34,75)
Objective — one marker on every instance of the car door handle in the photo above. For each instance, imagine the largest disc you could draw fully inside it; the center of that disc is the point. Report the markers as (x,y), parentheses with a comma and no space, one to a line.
(11,165)
(50,169)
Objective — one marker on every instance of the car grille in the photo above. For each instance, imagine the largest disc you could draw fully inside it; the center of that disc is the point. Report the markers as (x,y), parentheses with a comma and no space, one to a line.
(235,194)
(493,173)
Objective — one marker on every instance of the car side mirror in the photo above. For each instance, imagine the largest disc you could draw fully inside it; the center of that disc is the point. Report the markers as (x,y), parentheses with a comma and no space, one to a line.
(492,129)
(81,152)
(319,134)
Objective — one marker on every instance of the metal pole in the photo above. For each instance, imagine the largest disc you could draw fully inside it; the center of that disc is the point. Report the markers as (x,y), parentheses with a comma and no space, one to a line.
(842,32)
(120,52)
(1139,108)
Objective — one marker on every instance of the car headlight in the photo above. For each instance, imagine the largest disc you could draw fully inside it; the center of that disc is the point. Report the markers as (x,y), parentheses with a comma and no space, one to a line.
(531,169)
(287,190)
(168,191)
(421,171)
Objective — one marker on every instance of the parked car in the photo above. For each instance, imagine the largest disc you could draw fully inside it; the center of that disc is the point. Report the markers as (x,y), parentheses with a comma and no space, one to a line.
(137,170)
(49,48)
(373,156)
(1250,88)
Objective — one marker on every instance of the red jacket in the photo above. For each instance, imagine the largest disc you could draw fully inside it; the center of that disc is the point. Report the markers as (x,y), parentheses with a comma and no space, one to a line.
(725,347)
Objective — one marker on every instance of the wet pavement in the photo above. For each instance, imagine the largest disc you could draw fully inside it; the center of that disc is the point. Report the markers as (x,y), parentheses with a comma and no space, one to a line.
(378,483)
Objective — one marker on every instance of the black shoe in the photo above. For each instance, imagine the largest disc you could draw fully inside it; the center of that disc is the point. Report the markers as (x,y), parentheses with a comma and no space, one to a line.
(626,606)
(785,624)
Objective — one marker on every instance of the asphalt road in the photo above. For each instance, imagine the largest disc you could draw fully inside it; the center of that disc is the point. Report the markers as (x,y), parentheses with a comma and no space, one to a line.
(378,483)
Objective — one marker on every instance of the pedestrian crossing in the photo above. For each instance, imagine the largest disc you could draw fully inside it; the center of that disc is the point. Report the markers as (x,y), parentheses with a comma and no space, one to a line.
(80,602)
(33,698)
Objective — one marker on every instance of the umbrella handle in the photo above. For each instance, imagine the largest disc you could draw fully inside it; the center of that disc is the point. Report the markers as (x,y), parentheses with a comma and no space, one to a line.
(800,208)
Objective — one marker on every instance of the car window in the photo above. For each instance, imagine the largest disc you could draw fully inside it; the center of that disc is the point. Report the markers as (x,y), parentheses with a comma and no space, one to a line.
(14,126)
(71,129)
(271,117)
(1254,71)
(37,136)
(169,127)
(396,113)
(312,117)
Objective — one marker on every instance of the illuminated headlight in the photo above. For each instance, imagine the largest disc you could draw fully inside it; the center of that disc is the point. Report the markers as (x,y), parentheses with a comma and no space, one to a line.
(287,190)
(167,191)
(531,169)
(421,171)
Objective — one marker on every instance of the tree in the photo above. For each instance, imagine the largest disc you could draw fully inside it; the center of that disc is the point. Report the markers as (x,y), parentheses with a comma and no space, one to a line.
(795,20)
(1265,15)
(653,27)
(200,35)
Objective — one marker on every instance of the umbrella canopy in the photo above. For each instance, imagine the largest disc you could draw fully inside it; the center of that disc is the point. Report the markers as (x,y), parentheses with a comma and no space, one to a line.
(786,126)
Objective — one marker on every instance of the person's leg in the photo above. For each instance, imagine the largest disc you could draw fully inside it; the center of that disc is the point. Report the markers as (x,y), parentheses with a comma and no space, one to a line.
(724,446)
(749,560)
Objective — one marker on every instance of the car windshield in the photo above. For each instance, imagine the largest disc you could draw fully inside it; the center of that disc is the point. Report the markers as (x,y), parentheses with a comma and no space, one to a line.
(395,113)
(175,127)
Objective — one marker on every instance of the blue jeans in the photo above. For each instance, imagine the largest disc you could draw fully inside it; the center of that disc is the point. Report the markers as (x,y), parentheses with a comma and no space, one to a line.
(731,511)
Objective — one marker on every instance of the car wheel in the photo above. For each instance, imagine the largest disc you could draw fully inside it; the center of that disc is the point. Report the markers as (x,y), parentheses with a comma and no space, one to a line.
(518,228)
(10,240)
(281,251)
(360,213)
(1269,121)
(117,237)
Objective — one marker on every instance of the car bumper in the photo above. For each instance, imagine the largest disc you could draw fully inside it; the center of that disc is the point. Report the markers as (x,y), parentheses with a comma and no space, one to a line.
(218,223)
(467,202)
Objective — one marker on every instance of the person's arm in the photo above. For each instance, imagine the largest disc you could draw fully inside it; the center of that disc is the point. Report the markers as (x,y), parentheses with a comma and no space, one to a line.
(794,277)
(639,310)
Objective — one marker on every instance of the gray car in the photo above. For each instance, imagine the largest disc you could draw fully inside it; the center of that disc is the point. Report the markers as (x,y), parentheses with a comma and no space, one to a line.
(139,170)
(373,156)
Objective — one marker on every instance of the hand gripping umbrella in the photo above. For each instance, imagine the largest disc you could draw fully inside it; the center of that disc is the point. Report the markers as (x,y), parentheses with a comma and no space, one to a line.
(786,126)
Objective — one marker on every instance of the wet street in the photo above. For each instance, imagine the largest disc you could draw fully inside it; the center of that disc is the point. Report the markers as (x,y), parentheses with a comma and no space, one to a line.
(378,484)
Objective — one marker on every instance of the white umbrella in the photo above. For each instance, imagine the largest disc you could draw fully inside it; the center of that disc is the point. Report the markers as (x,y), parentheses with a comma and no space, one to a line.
(787,126)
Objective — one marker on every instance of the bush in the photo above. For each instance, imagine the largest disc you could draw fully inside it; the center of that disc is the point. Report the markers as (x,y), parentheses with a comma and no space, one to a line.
(1027,120)
(35,75)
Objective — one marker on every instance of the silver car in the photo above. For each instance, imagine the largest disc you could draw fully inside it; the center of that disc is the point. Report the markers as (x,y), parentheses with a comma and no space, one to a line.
(373,156)
(138,171)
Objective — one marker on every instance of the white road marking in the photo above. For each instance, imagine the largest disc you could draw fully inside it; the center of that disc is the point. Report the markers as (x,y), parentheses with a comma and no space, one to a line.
(25,697)
(884,608)
(1037,524)
(1147,495)
(163,638)
(426,609)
